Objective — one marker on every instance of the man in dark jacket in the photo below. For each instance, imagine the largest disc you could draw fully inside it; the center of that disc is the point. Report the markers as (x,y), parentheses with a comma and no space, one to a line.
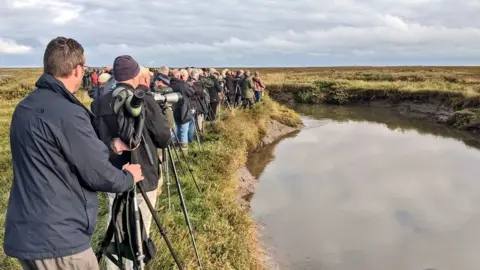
(239,87)
(214,91)
(156,133)
(59,164)
(183,110)
(199,99)
(230,87)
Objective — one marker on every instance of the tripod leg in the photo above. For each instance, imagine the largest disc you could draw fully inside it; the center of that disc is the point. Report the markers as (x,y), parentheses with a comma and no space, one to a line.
(197,133)
(188,166)
(167,177)
(162,231)
(140,255)
(184,207)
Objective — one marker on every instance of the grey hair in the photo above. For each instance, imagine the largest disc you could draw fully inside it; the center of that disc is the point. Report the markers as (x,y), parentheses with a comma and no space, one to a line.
(184,73)
(164,70)
(195,74)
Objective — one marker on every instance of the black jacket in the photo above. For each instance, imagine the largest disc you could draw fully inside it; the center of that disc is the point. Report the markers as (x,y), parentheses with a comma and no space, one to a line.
(156,134)
(59,164)
(182,111)
(214,90)
(198,98)
(230,84)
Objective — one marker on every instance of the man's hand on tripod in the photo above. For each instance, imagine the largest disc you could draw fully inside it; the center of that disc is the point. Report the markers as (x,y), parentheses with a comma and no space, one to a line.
(135,170)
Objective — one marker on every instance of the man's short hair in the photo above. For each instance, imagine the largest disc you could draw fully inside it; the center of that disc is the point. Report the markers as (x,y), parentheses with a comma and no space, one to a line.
(174,72)
(61,56)
(164,70)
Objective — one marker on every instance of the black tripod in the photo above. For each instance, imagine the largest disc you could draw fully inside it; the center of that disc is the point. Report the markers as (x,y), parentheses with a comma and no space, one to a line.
(186,162)
(183,205)
(139,256)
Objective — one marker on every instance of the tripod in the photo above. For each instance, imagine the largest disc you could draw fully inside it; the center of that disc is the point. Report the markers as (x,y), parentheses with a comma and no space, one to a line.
(139,256)
(238,95)
(183,205)
(180,193)
(186,161)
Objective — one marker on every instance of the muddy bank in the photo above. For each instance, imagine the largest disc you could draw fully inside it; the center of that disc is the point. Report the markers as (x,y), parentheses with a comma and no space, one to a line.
(246,181)
(452,109)
(276,131)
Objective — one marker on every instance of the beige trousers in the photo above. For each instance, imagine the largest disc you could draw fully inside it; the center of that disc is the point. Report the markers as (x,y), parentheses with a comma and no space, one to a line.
(85,260)
(147,220)
(200,120)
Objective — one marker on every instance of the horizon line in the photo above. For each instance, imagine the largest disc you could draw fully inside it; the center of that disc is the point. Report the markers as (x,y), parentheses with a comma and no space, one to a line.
(279,67)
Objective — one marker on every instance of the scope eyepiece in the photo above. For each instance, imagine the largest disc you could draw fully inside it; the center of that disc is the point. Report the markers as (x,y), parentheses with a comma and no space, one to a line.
(137,98)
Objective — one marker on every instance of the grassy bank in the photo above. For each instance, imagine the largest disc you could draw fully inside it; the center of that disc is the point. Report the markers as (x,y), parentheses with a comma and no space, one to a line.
(456,89)
(225,233)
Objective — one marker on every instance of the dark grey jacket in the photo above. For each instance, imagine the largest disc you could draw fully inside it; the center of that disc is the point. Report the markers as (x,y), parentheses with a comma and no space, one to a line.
(182,110)
(59,164)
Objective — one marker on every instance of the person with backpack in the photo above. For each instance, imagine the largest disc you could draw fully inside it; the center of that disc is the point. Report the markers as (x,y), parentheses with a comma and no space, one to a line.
(130,76)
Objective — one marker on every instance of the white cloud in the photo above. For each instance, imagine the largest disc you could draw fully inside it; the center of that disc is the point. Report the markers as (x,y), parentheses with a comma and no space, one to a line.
(250,32)
(60,11)
(11,47)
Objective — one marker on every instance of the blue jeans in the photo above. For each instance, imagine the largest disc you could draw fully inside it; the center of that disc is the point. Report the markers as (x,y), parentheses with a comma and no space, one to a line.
(191,130)
(258,96)
(182,132)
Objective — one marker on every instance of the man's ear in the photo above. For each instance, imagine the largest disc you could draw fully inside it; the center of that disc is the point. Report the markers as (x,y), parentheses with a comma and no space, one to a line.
(77,72)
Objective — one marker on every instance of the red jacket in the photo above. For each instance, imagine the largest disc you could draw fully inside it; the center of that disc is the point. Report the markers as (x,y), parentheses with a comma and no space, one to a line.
(95,78)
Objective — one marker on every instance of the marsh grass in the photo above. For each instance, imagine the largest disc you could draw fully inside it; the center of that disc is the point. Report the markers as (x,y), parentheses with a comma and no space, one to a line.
(225,233)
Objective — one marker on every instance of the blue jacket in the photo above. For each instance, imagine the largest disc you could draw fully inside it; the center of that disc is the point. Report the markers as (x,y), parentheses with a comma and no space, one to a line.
(59,164)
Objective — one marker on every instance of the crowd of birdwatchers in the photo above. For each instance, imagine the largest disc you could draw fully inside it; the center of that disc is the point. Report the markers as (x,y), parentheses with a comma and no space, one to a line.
(204,89)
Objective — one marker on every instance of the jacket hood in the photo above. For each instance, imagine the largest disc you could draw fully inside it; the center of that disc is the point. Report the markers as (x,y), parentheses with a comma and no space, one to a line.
(47,81)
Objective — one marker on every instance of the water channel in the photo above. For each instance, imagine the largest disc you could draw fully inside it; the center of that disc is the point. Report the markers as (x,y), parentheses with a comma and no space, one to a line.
(367,189)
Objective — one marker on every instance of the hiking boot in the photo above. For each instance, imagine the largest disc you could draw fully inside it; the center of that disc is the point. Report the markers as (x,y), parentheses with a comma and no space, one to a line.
(184,147)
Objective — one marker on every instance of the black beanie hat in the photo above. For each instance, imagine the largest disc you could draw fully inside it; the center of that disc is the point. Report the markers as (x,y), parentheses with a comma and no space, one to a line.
(125,68)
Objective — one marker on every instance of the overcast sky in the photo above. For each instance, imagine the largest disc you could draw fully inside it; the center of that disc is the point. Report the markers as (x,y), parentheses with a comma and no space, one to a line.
(248,32)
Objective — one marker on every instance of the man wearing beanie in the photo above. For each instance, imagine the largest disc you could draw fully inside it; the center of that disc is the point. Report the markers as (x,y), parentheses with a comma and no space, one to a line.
(156,134)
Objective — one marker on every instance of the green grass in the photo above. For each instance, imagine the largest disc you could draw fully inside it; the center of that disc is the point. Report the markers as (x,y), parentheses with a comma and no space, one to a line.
(225,233)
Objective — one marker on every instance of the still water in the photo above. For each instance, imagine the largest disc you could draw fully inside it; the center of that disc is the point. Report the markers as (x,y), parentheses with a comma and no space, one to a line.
(366,189)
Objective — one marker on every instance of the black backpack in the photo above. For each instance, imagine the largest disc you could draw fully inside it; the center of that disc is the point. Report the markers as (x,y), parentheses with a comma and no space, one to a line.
(122,230)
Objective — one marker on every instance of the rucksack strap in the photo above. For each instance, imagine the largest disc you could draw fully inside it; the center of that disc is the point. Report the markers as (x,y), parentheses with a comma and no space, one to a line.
(107,240)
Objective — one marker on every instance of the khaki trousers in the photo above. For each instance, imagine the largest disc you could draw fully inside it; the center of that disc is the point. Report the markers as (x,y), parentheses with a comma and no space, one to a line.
(200,119)
(85,260)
